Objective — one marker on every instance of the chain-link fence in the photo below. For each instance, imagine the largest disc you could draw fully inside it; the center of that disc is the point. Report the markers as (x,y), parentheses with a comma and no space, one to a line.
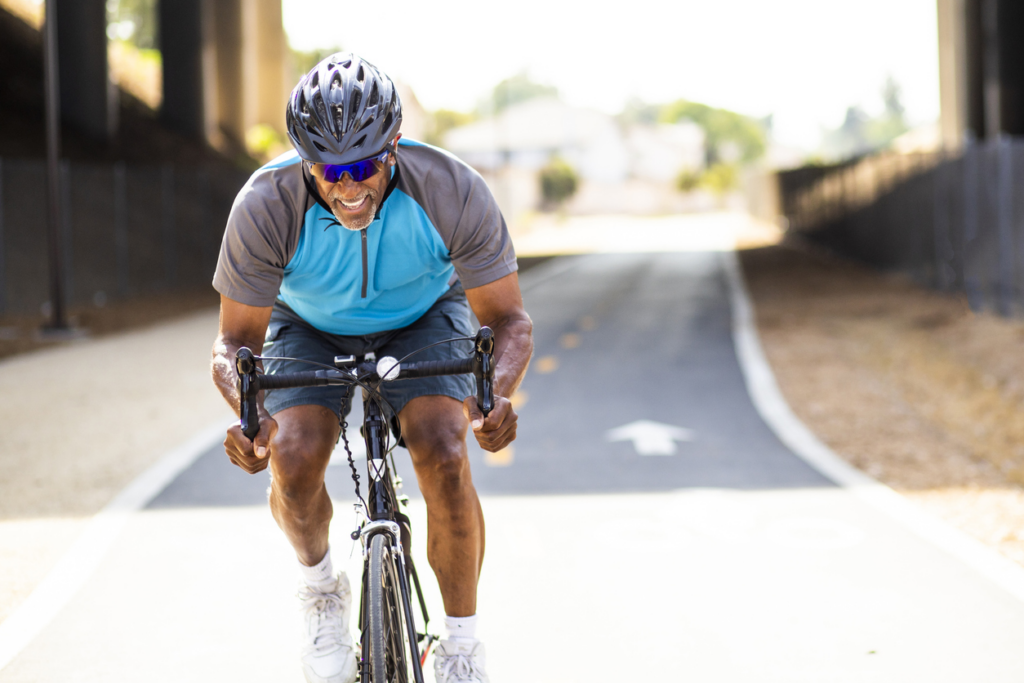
(954,222)
(126,230)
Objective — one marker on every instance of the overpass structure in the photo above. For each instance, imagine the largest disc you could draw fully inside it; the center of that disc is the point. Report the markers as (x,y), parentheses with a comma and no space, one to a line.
(225,67)
(951,217)
(981,69)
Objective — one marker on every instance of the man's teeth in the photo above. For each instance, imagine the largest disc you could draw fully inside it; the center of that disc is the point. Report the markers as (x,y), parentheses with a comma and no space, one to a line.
(353,204)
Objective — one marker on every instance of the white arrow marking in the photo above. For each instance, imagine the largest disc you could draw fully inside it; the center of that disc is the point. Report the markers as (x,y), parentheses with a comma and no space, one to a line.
(650,438)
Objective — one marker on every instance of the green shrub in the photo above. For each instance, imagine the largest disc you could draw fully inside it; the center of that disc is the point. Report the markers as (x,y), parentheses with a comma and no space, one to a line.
(688,180)
(558,181)
(721,178)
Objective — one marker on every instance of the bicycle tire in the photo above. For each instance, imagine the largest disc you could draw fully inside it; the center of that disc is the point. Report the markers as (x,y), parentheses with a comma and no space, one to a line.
(389,649)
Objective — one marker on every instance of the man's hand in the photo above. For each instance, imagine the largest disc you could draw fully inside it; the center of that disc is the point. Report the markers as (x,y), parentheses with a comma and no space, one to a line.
(252,456)
(495,431)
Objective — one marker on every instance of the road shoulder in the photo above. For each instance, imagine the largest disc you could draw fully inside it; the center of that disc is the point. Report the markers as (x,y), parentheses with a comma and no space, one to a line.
(905,384)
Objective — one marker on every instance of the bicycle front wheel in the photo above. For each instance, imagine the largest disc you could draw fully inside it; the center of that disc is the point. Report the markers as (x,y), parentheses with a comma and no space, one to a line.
(387,640)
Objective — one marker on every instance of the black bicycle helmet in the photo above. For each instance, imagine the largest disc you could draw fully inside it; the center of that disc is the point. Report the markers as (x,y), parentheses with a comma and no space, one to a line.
(345,109)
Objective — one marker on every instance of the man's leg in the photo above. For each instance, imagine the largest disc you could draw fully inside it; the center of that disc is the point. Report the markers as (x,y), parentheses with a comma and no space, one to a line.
(306,436)
(298,499)
(434,430)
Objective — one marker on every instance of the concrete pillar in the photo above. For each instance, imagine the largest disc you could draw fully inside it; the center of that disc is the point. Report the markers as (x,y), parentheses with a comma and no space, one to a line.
(228,33)
(269,80)
(181,47)
(992,87)
(82,59)
(953,72)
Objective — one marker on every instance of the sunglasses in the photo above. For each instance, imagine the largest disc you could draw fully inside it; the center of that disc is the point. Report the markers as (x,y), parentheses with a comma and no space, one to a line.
(357,170)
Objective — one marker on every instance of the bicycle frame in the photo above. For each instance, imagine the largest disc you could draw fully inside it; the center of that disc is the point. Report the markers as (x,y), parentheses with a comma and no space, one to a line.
(382,500)
(385,518)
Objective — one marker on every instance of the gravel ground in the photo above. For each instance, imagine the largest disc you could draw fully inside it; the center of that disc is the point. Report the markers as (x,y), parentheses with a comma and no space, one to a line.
(907,384)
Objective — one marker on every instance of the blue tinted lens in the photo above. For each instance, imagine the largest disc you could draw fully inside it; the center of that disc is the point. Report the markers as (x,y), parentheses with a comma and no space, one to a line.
(359,170)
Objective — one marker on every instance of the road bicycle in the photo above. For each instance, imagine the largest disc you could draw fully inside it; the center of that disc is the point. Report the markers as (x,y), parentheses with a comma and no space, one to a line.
(393,650)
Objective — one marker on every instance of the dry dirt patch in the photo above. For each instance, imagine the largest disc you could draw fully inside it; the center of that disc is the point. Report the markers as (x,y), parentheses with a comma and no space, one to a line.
(908,385)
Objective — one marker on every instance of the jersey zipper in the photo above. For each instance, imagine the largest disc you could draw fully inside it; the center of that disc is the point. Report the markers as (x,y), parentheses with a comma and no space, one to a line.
(365,275)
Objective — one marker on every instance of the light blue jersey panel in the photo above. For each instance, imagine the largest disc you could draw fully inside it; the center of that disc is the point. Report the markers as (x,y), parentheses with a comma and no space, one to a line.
(409,268)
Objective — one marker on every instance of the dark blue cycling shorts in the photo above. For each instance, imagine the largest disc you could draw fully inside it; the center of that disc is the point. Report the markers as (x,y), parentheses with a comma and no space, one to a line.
(291,336)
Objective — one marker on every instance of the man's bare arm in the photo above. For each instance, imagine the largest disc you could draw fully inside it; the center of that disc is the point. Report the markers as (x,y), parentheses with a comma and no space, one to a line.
(499,305)
(241,325)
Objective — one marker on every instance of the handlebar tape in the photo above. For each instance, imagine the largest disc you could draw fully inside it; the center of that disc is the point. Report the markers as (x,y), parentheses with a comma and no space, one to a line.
(434,368)
(310,378)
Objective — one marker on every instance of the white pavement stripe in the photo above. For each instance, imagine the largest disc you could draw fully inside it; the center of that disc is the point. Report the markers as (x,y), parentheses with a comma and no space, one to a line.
(80,561)
(768,399)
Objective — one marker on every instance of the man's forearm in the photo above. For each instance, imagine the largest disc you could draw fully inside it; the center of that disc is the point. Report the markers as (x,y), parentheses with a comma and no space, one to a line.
(222,368)
(513,348)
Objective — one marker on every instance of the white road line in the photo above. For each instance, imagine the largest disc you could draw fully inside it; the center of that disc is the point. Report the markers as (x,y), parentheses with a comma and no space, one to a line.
(84,556)
(774,410)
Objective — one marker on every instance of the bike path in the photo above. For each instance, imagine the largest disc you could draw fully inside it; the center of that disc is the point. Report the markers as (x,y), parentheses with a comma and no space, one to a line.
(729,560)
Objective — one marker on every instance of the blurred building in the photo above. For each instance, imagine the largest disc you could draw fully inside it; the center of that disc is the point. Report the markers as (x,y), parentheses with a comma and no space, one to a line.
(628,168)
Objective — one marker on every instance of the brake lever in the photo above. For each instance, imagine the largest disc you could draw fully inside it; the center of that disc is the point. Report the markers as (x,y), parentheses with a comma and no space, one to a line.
(248,387)
(483,368)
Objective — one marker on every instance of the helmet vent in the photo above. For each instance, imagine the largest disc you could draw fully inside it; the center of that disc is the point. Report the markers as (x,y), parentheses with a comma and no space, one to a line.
(371,101)
(353,107)
(319,146)
(339,118)
(321,110)
(360,141)
(387,122)
(360,75)
(315,80)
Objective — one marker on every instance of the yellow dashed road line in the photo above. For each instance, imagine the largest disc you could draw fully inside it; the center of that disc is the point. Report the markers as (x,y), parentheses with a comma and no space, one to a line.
(502,458)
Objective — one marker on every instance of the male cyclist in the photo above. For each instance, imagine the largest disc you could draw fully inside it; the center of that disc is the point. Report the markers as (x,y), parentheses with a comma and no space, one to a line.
(361,242)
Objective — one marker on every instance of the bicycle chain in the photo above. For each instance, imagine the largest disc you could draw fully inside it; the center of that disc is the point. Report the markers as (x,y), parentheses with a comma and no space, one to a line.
(346,404)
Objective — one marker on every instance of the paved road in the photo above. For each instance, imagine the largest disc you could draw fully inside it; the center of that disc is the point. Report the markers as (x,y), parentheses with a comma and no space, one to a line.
(729,559)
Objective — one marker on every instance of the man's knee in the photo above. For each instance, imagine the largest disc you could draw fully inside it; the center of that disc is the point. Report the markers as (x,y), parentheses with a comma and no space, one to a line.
(300,453)
(439,455)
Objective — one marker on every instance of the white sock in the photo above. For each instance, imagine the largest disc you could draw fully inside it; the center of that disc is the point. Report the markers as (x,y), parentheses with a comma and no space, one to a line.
(320,573)
(461,628)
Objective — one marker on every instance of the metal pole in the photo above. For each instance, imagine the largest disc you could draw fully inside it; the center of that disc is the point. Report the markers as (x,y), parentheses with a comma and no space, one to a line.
(121,228)
(972,168)
(58,318)
(67,230)
(3,258)
(940,225)
(169,237)
(1004,189)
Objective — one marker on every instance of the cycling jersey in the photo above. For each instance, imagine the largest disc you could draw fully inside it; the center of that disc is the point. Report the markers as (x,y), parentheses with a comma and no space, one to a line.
(437,224)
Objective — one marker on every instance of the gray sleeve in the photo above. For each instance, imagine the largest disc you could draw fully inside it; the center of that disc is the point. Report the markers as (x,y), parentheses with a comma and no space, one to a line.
(464,212)
(261,237)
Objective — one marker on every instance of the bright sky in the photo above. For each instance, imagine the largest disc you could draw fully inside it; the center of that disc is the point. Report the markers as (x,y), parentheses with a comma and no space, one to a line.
(805,61)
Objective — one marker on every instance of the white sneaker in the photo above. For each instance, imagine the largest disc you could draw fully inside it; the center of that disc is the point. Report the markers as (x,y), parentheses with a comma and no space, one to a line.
(328,654)
(459,662)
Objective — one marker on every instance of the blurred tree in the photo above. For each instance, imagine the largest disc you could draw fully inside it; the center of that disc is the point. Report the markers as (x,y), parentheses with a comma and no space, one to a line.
(721,127)
(638,111)
(558,181)
(860,133)
(303,62)
(892,123)
(133,21)
(442,121)
(518,88)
